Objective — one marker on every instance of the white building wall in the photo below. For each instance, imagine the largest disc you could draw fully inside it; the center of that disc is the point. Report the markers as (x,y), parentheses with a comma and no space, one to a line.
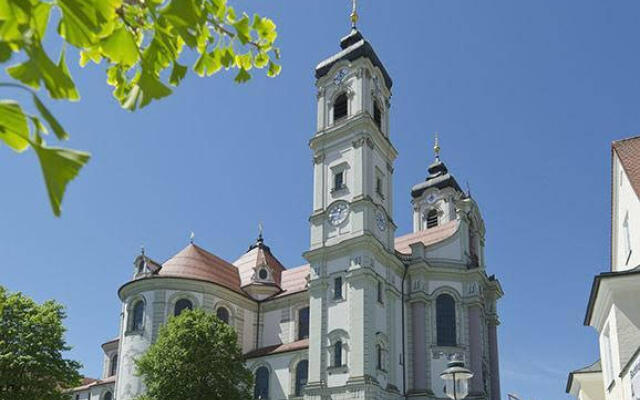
(625,221)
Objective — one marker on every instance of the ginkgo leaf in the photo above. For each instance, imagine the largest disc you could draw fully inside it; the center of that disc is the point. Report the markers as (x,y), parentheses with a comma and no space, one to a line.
(57,129)
(121,47)
(14,130)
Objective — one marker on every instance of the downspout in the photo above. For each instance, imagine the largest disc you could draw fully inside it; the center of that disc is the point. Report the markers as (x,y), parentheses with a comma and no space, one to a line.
(258,326)
(404,358)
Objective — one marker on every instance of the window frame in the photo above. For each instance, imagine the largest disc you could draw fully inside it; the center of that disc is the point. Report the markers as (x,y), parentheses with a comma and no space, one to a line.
(113,364)
(377,114)
(338,288)
(226,310)
(299,386)
(432,219)
(268,377)
(182,299)
(299,321)
(135,327)
(380,292)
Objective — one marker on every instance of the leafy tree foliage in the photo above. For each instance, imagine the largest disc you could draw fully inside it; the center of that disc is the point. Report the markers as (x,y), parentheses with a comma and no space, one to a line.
(196,356)
(141,43)
(31,346)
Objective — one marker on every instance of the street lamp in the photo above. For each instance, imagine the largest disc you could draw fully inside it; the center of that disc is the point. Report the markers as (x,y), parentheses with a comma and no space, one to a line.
(456,380)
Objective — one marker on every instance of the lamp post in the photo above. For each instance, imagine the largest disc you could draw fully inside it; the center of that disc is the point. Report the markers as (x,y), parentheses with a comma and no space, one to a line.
(456,380)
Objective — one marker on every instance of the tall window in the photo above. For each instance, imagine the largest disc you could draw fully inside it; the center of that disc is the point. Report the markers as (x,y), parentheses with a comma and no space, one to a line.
(337,288)
(181,305)
(432,219)
(261,390)
(377,114)
(223,314)
(340,107)
(302,373)
(379,185)
(338,180)
(108,396)
(337,354)
(379,354)
(303,323)
(380,293)
(446,320)
(114,365)
(137,322)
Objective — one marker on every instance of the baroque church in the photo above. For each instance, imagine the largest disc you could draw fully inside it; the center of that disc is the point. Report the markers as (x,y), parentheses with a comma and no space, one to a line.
(372,315)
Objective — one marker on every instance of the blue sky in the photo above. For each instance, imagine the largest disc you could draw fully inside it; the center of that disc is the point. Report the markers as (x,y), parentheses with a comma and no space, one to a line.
(526,95)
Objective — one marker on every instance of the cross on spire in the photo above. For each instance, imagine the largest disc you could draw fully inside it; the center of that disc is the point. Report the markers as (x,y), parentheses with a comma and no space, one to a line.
(354,13)
(436,148)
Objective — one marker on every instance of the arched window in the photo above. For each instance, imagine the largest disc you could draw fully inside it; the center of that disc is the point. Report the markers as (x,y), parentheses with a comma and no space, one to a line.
(303,323)
(137,321)
(446,320)
(181,305)
(377,114)
(114,365)
(261,390)
(302,372)
(337,354)
(340,107)
(223,314)
(432,219)
(108,396)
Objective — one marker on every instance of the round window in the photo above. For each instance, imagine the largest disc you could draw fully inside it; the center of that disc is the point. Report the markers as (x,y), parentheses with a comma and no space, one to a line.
(263,274)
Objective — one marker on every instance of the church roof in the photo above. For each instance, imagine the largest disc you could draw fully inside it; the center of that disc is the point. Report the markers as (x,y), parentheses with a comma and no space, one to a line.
(354,46)
(258,255)
(628,151)
(278,348)
(426,237)
(196,263)
(438,177)
(294,280)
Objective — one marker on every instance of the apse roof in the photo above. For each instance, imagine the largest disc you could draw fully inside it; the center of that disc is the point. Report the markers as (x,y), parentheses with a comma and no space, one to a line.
(196,263)
(258,255)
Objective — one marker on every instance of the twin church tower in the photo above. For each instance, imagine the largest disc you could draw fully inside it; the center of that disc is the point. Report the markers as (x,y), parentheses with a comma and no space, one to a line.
(372,315)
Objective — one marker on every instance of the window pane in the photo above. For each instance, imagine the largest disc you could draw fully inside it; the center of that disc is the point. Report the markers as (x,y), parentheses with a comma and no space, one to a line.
(261,390)
(377,114)
(108,396)
(138,316)
(446,320)
(223,314)
(340,107)
(337,288)
(432,219)
(181,305)
(337,354)
(302,371)
(114,365)
(303,323)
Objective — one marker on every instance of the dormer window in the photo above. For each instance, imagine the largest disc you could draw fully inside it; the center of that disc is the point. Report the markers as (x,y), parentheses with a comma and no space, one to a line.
(432,219)
(263,274)
(340,107)
(377,114)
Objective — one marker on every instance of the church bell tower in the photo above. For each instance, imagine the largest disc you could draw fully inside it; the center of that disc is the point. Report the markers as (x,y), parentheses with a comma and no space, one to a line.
(355,276)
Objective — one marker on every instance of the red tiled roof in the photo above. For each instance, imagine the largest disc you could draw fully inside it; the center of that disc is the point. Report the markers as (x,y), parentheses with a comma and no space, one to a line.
(427,237)
(294,280)
(196,263)
(628,151)
(278,348)
(91,382)
(255,257)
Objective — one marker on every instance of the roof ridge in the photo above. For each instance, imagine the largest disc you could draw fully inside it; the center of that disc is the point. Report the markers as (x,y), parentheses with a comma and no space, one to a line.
(625,139)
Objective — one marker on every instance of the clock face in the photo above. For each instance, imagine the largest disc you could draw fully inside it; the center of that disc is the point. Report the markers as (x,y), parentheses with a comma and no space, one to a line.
(381,221)
(337,79)
(338,213)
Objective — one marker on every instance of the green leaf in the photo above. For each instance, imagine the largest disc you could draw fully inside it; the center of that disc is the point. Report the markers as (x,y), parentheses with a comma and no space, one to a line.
(274,70)
(182,13)
(38,126)
(243,30)
(227,56)
(177,74)
(242,76)
(26,72)
(266,28)
(14,130)
(147,89)
(79,22)
(40,18)
(244,61)
(58,130)
(59,167)
(121,47)
(261,60)
(63,82)
(5,52)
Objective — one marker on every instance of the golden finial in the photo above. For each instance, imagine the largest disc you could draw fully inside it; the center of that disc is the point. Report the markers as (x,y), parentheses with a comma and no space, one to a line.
(354,13)
(436,148)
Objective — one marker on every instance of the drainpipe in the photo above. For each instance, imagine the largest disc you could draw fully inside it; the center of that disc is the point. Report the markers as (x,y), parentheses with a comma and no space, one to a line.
(404,358)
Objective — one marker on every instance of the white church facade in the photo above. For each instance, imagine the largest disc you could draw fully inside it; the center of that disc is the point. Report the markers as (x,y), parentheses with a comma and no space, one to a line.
(613,309)
(372,315)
